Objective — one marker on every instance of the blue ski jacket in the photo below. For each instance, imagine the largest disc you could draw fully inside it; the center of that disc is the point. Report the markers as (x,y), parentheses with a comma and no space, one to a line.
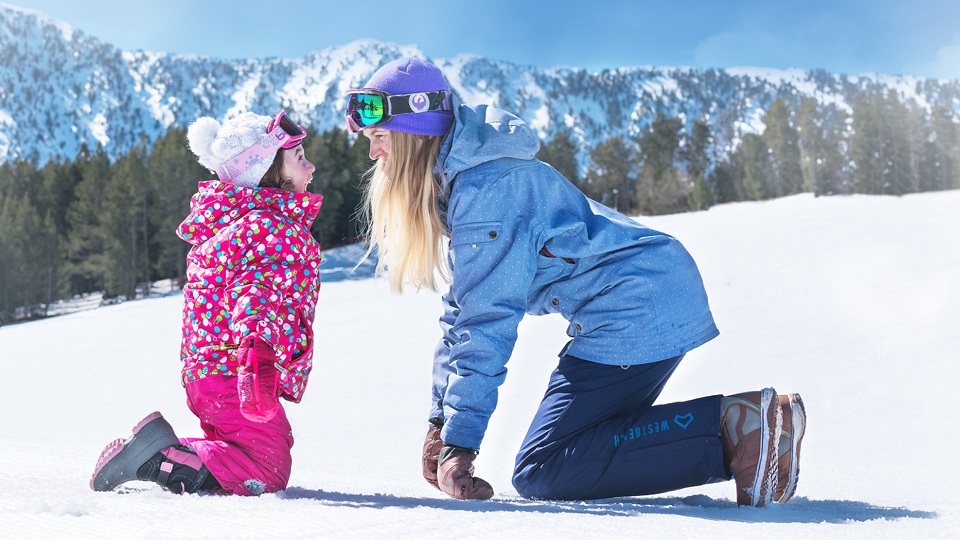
(523,239)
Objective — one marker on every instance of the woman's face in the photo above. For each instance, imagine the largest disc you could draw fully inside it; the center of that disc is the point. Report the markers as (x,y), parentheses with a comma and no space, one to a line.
(379,143)
(297,168)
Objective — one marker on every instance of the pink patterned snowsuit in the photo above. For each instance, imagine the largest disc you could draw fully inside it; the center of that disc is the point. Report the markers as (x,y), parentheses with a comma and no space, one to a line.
(254,269)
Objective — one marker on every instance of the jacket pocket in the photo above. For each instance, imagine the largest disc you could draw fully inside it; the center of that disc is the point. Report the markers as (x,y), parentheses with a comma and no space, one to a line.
(307,327)
(475,233)
(293,380)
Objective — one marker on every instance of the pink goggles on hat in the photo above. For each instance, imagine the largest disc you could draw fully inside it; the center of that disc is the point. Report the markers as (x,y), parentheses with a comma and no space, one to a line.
(282,132)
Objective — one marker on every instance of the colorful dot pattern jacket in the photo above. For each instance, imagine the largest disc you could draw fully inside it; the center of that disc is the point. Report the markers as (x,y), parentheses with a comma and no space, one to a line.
(254,269)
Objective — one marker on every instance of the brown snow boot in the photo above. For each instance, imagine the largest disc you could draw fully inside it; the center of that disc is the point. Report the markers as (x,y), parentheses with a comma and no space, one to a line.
(794,427)
(750,425)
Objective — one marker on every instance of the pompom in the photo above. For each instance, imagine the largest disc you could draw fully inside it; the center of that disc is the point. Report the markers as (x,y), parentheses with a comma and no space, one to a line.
(200,137)
(215,144)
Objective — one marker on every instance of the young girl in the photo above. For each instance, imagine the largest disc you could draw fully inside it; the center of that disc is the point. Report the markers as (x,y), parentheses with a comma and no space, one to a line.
(249,304)
(522,239)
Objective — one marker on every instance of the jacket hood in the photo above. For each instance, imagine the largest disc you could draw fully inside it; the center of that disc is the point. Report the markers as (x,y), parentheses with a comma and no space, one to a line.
(216,205)
(481,134)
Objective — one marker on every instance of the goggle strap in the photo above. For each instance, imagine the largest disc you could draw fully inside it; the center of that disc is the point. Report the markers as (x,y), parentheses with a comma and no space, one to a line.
(439,101)
(263,150)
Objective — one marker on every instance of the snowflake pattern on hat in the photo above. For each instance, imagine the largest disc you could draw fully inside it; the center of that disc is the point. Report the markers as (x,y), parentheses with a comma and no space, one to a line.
(217,147)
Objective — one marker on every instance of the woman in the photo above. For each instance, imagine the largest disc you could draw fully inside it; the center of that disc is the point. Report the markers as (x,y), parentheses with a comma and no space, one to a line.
(249,304)
(522,239)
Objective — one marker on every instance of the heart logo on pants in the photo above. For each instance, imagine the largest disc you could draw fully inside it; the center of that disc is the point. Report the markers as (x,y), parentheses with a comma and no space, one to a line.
(683,421)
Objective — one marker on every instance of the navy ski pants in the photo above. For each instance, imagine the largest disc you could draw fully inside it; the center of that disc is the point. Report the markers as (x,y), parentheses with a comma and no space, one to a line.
(597,434)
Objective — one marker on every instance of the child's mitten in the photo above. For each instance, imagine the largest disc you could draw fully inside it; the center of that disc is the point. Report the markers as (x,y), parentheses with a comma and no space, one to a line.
(258,380)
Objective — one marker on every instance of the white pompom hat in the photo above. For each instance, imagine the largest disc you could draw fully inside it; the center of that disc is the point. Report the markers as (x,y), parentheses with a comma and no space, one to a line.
(215,144)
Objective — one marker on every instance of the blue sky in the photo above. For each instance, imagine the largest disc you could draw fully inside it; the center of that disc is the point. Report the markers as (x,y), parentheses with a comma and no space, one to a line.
(918,37)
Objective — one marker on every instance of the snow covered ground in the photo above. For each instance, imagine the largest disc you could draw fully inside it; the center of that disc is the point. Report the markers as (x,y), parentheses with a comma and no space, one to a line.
(852,301)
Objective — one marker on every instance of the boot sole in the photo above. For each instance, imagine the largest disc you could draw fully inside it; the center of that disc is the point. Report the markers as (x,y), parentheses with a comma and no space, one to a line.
(771,426)
(799,419)
(119,461)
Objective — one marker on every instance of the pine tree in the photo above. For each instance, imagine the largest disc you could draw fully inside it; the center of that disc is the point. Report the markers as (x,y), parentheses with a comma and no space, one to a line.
(940,164)
(821,154)
(340,165)
(86,243)
(662,188)
(810,128)
(172,176)
(57,186)
(561,153)
(867,150)
(49,262)
(7,180)
(28,247)
(19,178)
(358,163)
(837,167)
(31,254)
(55,191)
(7,270)
(784,176)
(899,137)
(753,162)
(881,146)
(695,153)
(725,180)
(124,222)
(611,179)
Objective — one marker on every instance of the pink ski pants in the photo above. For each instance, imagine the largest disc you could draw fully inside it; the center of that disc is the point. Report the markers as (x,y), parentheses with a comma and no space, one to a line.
(246,457)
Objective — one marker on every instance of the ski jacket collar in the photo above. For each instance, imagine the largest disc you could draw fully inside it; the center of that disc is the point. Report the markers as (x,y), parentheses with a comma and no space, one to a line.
(216,205)
(481,134)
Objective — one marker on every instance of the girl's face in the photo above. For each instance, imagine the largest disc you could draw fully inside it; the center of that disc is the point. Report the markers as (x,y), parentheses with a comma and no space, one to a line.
(379,143)
(297,168)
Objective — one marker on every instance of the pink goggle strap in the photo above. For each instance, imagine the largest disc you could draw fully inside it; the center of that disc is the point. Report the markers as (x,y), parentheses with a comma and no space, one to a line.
(266,149)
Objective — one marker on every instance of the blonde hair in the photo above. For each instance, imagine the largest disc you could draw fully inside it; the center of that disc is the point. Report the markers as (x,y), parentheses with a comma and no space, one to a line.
(402,213)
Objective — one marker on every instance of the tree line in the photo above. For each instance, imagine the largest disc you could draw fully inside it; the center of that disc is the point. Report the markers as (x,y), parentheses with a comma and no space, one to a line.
(883,146)
(86,225)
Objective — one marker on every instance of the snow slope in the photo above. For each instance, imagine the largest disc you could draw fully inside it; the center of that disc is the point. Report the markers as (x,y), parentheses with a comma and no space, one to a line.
(852,301)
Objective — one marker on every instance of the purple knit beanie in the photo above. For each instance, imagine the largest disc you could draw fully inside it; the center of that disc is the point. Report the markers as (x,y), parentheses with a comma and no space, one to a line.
(409,76)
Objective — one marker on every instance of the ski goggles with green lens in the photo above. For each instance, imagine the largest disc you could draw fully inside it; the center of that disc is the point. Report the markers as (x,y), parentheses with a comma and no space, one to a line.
(369,107)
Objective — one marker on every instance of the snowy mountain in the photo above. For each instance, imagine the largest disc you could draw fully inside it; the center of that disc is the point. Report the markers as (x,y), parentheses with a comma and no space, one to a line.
(60,88)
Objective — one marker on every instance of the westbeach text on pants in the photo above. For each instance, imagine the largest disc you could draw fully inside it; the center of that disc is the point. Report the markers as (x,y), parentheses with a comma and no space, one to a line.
(597,434)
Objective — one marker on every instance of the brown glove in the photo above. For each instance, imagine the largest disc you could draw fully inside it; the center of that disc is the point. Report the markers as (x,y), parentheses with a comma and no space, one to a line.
(431,454)
(455,474)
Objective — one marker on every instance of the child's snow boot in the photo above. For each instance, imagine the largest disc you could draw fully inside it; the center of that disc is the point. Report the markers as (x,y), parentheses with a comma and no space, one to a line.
(178,469)
(750,425)
(119,461)
(794,426)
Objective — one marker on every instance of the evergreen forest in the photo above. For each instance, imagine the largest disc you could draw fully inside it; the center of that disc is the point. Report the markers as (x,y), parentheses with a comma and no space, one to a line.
(84,224)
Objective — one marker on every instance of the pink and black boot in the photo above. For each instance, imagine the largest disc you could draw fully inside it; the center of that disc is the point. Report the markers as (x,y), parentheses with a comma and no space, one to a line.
(152,453)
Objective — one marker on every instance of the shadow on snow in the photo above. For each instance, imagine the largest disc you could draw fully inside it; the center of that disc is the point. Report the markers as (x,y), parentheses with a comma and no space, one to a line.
(799,510)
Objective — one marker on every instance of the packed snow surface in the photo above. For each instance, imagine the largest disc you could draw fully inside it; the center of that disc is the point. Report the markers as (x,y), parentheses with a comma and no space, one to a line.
(854,302)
